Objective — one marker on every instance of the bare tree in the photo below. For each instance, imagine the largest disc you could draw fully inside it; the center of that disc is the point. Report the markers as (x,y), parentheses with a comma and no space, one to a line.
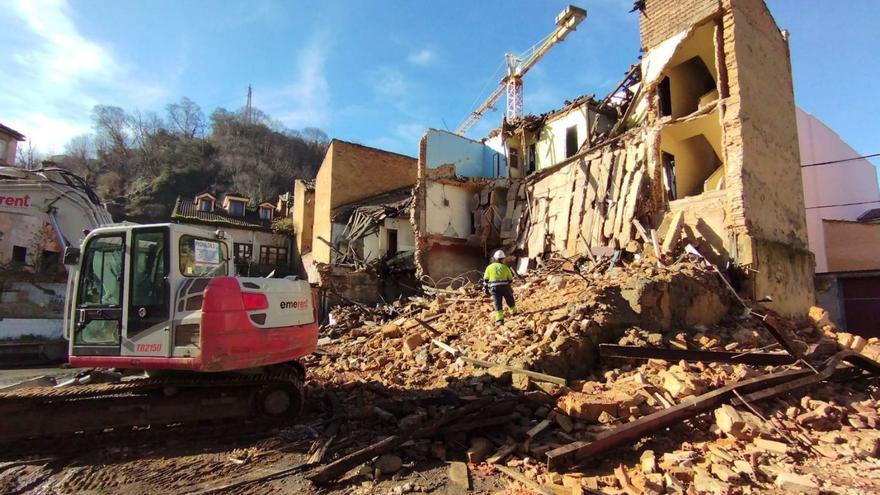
(186,119)
(28,157)
(81,157)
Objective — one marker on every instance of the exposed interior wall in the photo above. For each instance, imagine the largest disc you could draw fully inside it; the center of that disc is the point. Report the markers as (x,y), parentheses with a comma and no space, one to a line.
(376,245)
(550,147)
(833,184)
(449,214)
(303,214)
(459,156)
(851,246)
(351,172)
(697,147)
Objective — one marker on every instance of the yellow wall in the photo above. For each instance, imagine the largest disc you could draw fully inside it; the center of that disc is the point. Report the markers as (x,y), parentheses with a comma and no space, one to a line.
(303,216)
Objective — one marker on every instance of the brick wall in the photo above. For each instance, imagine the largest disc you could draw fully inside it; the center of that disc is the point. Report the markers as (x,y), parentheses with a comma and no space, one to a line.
(360,172)
(351,172)
(662,19)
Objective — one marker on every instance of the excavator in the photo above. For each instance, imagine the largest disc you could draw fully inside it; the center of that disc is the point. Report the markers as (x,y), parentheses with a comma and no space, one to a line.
(158,310)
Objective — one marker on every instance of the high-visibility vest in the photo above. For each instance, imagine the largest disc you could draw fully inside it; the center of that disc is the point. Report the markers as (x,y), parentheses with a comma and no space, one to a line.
(497,274)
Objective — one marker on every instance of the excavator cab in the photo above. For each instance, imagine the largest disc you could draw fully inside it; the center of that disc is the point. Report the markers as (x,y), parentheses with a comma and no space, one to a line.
(165,297)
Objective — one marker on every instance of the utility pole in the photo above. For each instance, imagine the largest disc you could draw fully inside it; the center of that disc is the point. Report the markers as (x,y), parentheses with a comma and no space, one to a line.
(248,109)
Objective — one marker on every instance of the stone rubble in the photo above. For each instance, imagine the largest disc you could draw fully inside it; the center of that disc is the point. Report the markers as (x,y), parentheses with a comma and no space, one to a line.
(385,358)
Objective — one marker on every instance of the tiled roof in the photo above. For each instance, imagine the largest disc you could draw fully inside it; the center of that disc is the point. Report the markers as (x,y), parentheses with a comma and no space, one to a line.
(185,211)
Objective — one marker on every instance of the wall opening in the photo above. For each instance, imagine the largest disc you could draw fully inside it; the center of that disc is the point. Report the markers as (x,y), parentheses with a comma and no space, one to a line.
(532,159)
(694,163)
(669,175)
(19,255)
(571,141)
(392,242)
(665,100)
(689,82)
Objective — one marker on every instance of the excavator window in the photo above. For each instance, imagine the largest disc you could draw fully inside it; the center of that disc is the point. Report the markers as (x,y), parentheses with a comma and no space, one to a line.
(102,273)
(202,257)
(149,269)
(101,287)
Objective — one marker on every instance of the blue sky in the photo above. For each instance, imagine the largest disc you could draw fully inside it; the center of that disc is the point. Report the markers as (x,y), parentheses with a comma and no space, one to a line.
(374,72)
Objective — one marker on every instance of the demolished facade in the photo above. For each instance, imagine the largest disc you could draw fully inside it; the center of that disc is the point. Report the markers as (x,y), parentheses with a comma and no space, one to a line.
(358,217)
(670,150)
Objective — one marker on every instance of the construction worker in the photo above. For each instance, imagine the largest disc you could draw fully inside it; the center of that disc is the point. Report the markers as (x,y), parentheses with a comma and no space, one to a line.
(497,280)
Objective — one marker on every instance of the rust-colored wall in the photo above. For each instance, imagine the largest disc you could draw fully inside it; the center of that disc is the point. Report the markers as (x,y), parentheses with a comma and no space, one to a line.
(851,246)
(663,19)
(351,172)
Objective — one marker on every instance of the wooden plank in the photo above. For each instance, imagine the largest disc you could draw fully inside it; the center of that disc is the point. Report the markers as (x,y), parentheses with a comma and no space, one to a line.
(459,479)
(576,452)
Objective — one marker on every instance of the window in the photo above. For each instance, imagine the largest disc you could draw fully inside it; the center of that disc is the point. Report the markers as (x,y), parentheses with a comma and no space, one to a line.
(392,242)
(665,97)
(206,205)
(571,141)
(4,148)
(243,252)
(531,159)
(19,255)
(148,284)
(236,208)
(201,257)
(265,214)
(514,158)
(101,279)
(271,255)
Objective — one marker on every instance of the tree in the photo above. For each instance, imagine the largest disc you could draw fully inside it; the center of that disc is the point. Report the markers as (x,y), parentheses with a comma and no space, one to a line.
(186,119)
(28,157)
(81,157)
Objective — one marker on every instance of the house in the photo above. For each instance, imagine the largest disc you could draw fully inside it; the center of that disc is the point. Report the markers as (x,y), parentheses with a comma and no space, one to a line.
(349,173)
(842,202)
(694,143)
(258,250)
(9,139)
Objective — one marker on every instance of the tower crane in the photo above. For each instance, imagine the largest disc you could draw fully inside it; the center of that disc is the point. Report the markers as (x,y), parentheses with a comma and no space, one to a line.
(517,66)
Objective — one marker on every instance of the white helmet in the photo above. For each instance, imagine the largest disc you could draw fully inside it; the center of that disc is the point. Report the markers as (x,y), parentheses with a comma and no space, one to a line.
(499,255)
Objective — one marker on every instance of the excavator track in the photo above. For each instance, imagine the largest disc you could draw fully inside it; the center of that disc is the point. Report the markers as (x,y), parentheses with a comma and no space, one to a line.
(275,394)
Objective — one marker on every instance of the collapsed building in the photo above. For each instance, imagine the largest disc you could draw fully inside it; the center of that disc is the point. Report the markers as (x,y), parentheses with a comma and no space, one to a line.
(352,225)
(697,145)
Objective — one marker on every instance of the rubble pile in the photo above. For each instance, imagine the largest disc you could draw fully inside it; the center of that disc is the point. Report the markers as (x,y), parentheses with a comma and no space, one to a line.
(544,390)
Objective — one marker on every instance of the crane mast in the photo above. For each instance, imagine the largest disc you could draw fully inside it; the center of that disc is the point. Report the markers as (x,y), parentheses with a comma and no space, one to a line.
(566,22)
